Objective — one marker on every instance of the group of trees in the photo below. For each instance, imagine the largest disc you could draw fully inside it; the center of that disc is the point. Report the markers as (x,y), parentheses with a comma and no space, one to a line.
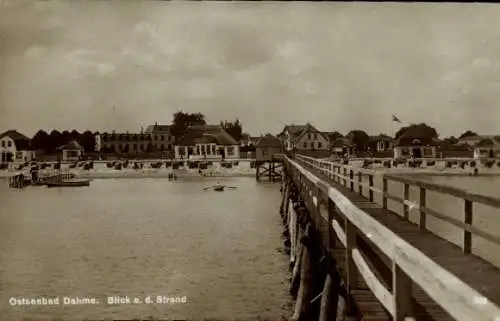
(181,121)
(49,142)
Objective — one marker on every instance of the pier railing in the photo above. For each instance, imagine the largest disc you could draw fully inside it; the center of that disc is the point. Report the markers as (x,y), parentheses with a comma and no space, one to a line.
(410,266)
(355,179)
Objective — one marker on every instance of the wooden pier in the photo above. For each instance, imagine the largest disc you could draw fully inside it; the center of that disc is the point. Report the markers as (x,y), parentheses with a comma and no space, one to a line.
(271,170)
(354,259)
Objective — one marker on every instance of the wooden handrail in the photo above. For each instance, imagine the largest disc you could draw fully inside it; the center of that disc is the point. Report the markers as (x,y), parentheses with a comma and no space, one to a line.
(468,197)
(456,297)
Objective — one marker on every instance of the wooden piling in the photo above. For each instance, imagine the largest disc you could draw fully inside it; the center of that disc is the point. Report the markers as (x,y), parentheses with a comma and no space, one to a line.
(305,293)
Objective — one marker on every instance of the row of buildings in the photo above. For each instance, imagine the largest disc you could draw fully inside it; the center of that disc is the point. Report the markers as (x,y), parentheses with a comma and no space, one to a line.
(213,142)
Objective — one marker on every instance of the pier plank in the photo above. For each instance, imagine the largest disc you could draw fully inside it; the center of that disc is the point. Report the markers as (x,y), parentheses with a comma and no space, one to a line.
(481,275)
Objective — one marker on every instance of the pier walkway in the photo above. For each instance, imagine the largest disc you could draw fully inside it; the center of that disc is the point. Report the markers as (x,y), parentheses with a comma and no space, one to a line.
(389,267)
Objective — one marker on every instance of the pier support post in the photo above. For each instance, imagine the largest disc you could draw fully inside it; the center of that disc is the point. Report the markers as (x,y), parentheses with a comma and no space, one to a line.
(329,300)
(305,293)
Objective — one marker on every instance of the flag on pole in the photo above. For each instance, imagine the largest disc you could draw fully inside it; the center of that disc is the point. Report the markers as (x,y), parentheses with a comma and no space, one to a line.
(395,119)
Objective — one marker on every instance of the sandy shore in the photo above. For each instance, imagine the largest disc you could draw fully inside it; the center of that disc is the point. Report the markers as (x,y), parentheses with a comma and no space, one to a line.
(143,173)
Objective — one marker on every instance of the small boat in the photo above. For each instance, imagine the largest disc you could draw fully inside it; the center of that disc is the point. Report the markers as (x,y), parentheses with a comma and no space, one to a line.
(68,183)
(219,187)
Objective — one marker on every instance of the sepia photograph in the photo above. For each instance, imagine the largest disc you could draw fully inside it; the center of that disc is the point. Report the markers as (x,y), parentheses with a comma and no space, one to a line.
(249,161)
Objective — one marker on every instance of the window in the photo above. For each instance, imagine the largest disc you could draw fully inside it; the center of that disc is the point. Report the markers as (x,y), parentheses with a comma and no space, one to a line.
(308,136)
(9,143)
(3,143)
(230,150)
(319,144)
(155,137)
(312,145)
(134,147)
(315,136)
(305,145)
(19,155)
(162,137)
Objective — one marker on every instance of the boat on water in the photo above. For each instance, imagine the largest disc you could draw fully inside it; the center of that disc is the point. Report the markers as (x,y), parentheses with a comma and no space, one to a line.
(219,187)
(68,183)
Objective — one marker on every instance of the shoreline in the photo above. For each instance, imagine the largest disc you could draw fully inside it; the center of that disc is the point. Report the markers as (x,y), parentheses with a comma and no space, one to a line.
(93,174)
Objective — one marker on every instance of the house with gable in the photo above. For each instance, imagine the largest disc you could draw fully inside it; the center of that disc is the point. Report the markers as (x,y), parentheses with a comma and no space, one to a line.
(15,147)
(488,147)
(206,142)
(303,137)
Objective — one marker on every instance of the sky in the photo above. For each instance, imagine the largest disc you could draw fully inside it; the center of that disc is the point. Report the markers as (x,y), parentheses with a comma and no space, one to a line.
(123,65)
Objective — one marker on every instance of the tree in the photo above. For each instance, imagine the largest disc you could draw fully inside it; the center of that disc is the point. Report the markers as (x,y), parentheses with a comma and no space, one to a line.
(41,141)
(233,128)
(451,140)
(359,138)
(183,120)
(54,140)
(87,141)
(417,130)
(468,133)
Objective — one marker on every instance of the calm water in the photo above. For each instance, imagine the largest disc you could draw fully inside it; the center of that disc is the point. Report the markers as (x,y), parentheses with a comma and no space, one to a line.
(140,237)
(485,217)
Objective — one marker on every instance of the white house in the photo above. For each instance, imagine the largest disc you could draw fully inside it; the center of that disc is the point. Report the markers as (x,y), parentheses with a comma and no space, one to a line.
(471,140)
(15,147)
(488,147)
(72,151)
(305,137)
(206,142)
(415,147)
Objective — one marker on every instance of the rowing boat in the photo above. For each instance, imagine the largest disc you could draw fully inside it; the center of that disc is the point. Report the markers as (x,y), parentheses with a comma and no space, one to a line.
(68,183)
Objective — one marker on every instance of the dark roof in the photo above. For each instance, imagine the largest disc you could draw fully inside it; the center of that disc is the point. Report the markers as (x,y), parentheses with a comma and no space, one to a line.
(21,141)
(294,129)
(310,129)
(416,141)
(195,133)
(342,142)
(157,128)
(14,134)
(381,137)
(489,142)
(474,137)
(269,141)
(71,145)
(125,137)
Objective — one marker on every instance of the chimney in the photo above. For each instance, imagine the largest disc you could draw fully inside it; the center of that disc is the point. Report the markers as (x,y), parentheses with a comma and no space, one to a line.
(156,123)
(142,130)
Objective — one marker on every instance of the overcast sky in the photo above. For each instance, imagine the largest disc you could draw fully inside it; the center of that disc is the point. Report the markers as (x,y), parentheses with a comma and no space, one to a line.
(125,64)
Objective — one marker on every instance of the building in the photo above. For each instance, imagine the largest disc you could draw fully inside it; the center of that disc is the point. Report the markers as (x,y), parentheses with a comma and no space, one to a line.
(206,142)
(471,140)
(72,151)
(382,143)
(124,143)
(248,141)
(488,147)
(15,147)
(268,146)
(289,135)
(303,137)
(343,146)
(410,146)
(161,137)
